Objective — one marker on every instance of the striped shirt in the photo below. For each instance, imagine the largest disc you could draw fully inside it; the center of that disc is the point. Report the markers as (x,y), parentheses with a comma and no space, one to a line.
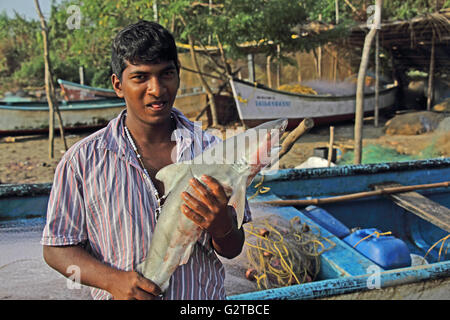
(101,199)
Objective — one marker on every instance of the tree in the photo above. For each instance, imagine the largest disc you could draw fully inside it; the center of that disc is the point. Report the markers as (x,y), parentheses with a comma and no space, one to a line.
(359,114)
(49,87)
(237,26)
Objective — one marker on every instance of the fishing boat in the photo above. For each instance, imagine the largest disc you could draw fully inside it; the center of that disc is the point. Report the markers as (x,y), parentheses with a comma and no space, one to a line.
(256,104)
(419,219)
(190,101)
(72,91)
(345,271)
(32,117)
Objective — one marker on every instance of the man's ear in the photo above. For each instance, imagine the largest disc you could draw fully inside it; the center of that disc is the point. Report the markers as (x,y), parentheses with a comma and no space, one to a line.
(117,85)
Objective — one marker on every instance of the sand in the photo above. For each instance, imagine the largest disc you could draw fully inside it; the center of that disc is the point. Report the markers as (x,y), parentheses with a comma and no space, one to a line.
(24,159)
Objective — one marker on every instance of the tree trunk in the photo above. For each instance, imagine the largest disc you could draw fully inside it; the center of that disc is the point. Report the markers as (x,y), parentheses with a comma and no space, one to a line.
(430,93)
(49,87)
(359,113)
(209,93)
(377,79)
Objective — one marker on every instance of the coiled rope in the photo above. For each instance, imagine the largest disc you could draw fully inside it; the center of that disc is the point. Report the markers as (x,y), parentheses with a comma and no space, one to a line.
(282,257)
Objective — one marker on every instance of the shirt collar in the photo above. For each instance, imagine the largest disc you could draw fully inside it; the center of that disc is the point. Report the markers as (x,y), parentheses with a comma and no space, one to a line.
(115,139)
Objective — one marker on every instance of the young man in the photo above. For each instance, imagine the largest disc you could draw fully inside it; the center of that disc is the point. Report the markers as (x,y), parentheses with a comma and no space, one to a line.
(105,199)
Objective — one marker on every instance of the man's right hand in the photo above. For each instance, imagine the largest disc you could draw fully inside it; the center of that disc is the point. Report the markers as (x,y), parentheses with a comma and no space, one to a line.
(121,284)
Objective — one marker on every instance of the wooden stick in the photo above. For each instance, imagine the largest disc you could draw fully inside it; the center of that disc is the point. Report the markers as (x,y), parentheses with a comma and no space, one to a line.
(301,129)
(291,138)
(330,146)
(354,196)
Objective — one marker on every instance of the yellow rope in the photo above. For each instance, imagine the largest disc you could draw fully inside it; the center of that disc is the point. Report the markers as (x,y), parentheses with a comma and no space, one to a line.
(440,249)
(281,261)
(260,189)
(378,234)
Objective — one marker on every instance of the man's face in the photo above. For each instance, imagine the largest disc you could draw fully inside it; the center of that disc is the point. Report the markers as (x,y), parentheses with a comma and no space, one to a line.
(149,90)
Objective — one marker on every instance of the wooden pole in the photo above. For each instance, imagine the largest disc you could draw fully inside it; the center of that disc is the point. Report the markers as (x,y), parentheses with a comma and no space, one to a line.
(353,196)
(292,137)
(251,67)
(278,66)
(359,113)
(377,79)
(49,87)
(81,73)
(430,94)
(336,3)
(330,147)
(269,71)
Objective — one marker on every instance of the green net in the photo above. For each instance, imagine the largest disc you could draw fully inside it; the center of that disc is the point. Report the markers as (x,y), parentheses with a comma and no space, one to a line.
(374,153)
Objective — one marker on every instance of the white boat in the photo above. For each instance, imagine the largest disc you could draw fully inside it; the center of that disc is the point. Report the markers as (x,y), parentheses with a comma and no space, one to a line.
(256,104)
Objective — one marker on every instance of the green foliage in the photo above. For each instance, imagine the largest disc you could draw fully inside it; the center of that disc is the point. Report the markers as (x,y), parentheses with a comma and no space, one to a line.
(236,23)
(407,9)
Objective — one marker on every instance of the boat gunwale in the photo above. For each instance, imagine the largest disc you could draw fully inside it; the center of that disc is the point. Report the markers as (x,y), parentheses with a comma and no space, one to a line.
(383,91)
(352,170)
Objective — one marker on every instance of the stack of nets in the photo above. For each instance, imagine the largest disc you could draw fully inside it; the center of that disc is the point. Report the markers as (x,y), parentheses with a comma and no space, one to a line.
(297,88)
(282,253)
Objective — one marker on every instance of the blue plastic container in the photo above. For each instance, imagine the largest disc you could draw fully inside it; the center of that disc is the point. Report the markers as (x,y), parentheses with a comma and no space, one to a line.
(386,251)
(326,220)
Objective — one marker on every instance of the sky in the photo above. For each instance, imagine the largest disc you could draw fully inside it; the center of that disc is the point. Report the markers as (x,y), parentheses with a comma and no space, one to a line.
(25,7)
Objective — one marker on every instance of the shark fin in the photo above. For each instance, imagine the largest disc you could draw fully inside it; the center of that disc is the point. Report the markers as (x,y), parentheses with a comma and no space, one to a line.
(237,200)
(171,175)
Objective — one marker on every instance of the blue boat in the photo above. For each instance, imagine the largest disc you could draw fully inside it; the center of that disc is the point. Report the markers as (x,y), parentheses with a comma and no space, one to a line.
(345,272)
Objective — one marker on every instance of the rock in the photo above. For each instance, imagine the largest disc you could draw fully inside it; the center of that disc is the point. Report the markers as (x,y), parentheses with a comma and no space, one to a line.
(444,125)
(443,106)
(413,123)
(314,162)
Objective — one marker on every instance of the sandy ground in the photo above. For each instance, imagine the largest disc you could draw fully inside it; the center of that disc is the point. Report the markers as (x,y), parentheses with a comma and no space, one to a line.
(25,160)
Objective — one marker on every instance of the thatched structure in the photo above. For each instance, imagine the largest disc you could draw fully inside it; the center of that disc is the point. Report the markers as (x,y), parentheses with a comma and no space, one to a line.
(410,42)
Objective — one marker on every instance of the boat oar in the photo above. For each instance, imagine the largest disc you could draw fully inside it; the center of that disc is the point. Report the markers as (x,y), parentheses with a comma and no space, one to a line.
(353,196)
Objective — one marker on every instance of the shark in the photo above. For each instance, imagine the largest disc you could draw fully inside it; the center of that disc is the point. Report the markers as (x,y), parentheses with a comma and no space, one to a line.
(233,162)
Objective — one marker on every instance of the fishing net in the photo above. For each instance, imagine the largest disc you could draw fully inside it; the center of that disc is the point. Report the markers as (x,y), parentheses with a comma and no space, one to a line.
(297,88)
(373,153)
(281,252)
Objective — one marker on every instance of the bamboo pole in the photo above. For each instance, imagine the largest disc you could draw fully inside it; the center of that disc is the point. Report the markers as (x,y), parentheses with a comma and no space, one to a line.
(354,196)
(359,114)
(330,147)
(430,93)
(377,79)
(269,71)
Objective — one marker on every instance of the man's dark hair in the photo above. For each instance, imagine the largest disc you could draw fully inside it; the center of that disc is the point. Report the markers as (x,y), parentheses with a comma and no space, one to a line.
(142,42)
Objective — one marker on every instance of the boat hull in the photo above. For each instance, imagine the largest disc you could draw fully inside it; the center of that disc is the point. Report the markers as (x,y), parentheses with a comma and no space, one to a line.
(257,104)
(346,273)
(33,119)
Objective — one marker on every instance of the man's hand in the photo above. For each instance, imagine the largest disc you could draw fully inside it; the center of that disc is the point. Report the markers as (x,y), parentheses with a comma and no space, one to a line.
(121,284)
(130,285)
(208,208)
